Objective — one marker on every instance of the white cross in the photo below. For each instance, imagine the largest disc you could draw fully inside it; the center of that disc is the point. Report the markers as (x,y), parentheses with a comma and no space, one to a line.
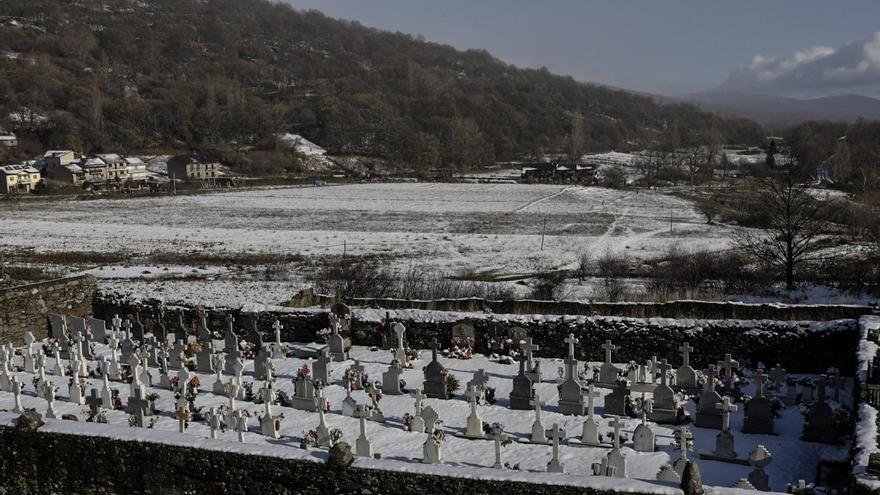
(726,406)
(608,346)
(571,341)
(277,326)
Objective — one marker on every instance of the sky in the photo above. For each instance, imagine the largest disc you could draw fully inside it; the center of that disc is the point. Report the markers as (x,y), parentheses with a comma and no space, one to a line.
(800,48)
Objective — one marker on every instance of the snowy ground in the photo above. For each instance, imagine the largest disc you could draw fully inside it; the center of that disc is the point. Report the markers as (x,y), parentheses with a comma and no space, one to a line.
(792,459)
(493,229)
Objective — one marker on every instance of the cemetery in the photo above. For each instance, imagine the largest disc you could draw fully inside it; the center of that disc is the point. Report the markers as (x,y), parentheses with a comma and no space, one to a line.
(452,403)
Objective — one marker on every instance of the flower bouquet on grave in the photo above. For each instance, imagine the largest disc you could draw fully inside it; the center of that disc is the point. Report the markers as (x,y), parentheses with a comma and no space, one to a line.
(117,402)
(439,434)
(452,383)
(489,393)
(310,439)
(407,420)
(624,438)
(322,335)
(192,349)
(194,384)
(174,382)
(403,386)
(153,421)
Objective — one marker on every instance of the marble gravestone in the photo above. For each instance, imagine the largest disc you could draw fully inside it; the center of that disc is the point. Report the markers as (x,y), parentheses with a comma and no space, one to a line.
(391,379)
(533,366)
(820,425)
(608,373)
(686,376)
(644,438)
(709,416)
(758,414)
(336,342)
(724,441)
(571,399)
(522,392)
(616,401)
(665,407)
(435,376)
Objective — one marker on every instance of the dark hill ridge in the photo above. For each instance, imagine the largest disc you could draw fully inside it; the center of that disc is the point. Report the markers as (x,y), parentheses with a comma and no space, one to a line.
(779,109)
(141,75)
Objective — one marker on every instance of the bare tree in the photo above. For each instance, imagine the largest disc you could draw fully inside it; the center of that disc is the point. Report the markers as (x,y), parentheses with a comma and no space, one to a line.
(794,228)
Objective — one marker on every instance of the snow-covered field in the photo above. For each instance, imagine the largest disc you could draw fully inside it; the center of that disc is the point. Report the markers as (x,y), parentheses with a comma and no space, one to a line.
(451,228)
(400,449)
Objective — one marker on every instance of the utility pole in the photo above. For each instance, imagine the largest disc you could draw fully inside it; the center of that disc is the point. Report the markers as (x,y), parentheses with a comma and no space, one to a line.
(173,185)
(344,247)
(543,228)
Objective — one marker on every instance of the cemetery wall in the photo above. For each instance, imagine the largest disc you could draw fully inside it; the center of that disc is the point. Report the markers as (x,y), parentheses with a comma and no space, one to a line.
(799,346)
(47,463)
(671,309)
(26,308)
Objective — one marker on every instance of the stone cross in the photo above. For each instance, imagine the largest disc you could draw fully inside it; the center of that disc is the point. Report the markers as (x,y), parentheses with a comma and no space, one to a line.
(182,415)
(686,350)
(213,420)
(498,436)
(609,347)
(652,366)
(419,397)
(664,368)
(399,331)
(116,323)
(820,388)
(473,396)
(363,448)
(727,365)
(711,374)
(137,406)
(778,374)
(277,326)
(556,435)
(571,341)
(94,402)
(683,435)
(759,383)
(529,347)
(434,349)
(16,392)
(726,406)
(241,424)
(591,395)
(231,392)
(615,423)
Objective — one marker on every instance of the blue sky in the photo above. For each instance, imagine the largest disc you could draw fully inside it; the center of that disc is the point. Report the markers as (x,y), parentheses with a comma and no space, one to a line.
(662,46)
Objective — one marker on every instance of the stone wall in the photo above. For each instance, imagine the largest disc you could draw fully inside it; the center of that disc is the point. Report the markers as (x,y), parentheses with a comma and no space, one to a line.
(37,463)
(26,307)
(799,346)
(672,309)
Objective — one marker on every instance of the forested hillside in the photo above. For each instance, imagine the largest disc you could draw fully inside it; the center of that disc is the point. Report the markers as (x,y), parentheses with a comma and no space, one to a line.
(123,75)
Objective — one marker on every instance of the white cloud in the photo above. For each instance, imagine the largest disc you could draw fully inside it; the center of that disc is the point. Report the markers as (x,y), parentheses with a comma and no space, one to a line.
(815,71)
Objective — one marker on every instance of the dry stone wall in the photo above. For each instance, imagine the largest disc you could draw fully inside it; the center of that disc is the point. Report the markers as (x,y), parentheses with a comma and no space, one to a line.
(27,307)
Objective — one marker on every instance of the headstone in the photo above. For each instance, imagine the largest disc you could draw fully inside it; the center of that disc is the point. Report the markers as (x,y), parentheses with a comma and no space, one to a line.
(684,437)
(758,414)
(538,433)
(363,447)
(137,407)
(499,438)
(304,394)
(270,426)
(255,337)
(616,401)
(435,376)
(474,422)
(522,392)
(277,346)
(335,341)
(29,353)
(614,464)
(760,457)
(391,379)
(608,373)
(182,414)
(571,399)
(644,439)
(727,366)
(400,350)
(137,327)
(590,432)
(430,417)
(94,401)
(177,357)
(556,435)
(665,407)
(321,366)
(431,453)
(230,346)
(98,329)
(261,362)
(204,358)
(51,410)
(686,376)
(213,421)
(17,387)
(480,381)
(241,424)
(56,326)
(417,424)
(819,427)
(533,366)
(219,387)
(324,438)
(708,415)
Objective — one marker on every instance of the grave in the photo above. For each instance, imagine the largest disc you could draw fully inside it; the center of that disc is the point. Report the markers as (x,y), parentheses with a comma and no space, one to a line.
(391,379)
(758,414)
(686,376)
(665,407)
(644,439)
(435,376)
(724,441)
(819,427)
(616,402)
(571,399)
(522,392)
(608,373)
(708,415)
(335,341)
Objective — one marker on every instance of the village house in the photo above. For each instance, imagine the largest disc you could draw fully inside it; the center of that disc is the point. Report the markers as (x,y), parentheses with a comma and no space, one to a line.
(137,169)
(54,159)
(19,178)
(71,173)
(193,168)
(116,167)
(558,173)
(8,139)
